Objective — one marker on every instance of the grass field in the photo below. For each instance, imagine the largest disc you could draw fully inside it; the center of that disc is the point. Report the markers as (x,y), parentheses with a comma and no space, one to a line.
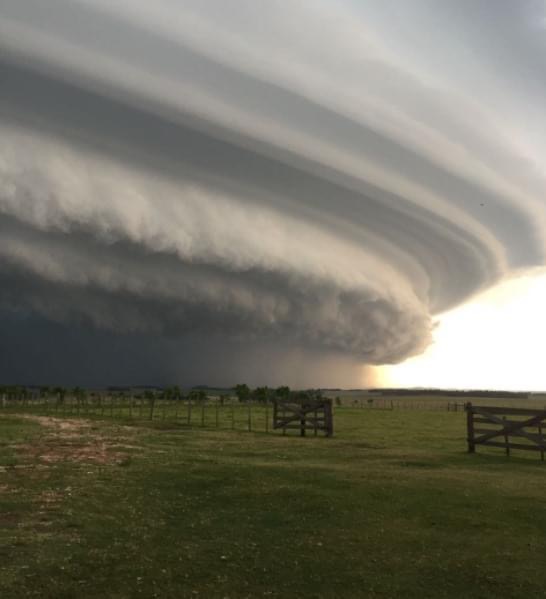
(392,506)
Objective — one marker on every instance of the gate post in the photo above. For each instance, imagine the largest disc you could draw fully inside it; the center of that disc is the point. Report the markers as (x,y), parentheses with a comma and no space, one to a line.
(470,427)
(328,418)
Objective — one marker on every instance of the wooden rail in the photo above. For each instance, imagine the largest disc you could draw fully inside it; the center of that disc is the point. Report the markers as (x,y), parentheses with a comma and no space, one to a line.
(309,414)
(494,427)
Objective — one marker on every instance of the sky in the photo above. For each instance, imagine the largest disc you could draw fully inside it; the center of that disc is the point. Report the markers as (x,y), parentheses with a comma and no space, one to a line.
(315,192)
(495,341)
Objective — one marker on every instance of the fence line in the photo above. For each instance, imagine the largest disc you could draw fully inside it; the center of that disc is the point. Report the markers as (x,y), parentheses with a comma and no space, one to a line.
(209,414)
(221,412)
(436,404)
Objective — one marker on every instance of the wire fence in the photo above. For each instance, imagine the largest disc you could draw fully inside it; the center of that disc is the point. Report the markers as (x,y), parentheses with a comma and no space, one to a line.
(223,412)
(217,413)
(435,403)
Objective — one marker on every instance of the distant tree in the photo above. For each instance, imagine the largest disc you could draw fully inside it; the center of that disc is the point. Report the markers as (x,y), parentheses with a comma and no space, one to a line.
(17,392)
(198,395)
(151,397)
(78,393)
(261,394)
(171,393)
(242,392)
(282,393)
(60,392)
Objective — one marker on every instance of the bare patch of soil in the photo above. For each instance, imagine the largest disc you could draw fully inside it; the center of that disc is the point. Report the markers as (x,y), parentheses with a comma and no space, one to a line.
(71,440)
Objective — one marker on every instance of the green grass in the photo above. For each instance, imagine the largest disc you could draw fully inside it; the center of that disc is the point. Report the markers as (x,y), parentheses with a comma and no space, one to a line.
(392,506)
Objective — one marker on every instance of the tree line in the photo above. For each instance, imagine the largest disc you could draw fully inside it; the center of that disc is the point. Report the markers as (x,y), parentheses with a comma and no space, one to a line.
(264,394)
(242,391)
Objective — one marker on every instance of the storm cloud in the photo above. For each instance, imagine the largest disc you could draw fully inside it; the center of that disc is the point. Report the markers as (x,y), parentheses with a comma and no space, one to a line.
(200,191)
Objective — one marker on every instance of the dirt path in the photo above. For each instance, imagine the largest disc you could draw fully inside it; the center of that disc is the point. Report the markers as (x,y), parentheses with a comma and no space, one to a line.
(74,440)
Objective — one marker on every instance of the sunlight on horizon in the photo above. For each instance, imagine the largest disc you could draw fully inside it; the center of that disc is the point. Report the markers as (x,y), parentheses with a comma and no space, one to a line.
(496,341)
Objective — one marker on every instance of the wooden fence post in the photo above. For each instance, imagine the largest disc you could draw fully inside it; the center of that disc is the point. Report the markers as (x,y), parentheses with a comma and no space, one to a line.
(329,419)
(541,441)
(470,428)
(507,448)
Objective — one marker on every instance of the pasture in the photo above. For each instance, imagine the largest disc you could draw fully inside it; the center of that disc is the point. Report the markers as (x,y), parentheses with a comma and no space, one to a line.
(99,505)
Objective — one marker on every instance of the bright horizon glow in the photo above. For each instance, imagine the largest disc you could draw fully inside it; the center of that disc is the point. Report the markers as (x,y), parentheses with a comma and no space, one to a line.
(496,341)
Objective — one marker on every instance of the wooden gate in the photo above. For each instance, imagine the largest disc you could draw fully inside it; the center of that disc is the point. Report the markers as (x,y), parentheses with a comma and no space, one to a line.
(490,426)
(303,415)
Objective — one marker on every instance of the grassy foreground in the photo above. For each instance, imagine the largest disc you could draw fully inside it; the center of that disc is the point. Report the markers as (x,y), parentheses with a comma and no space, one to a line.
(392,506)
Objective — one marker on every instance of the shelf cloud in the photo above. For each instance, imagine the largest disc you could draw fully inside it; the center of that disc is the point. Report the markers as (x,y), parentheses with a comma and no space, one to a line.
(192,191)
